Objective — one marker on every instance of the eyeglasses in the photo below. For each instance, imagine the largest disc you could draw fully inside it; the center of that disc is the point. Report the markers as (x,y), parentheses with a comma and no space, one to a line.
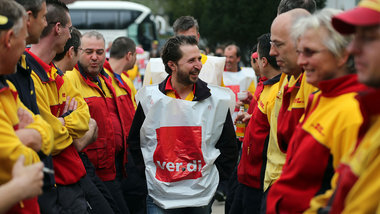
(90,51)
(277,45)
(309,52)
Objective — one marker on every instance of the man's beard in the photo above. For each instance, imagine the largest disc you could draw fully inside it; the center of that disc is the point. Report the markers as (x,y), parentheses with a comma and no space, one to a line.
(184,78)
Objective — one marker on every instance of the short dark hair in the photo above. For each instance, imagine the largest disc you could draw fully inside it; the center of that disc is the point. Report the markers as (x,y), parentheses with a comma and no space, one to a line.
(263,49)
(57,11)
(121,46)
(172,51)
(74,42)
(184,23)
(286,5)
(31,5)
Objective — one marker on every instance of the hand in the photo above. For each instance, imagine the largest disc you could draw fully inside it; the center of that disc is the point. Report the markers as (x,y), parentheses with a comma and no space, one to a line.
(70,105)
(24,117)
(248,99)
(244,117)
(28,178)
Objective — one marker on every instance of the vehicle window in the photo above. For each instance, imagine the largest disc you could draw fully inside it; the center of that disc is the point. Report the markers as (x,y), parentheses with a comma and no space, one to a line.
(102,19)
(78,19)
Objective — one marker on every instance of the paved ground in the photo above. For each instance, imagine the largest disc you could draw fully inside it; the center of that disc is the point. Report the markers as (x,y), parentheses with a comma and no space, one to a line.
(218,207)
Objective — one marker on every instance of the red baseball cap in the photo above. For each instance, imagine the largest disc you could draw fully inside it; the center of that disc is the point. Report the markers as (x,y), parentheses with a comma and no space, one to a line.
(367,13)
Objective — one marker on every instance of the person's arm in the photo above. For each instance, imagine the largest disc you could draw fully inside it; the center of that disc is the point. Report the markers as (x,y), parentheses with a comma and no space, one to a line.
(77,121)
(88,138)
(227,146)
(134,140)
(26,183)
(33,131)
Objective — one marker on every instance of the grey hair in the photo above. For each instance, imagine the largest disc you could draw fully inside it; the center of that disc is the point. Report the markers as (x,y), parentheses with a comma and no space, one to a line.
(335,42)
(14,12)
(95,34)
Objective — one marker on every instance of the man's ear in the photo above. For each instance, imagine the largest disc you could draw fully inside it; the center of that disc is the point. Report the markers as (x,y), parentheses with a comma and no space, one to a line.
(70,52)
(172,65)
(264,60)
(30,15)
(128,56)
(6,39)
(57,29)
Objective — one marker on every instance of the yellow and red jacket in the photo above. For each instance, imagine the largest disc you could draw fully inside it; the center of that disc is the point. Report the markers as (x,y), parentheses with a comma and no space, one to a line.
(123,88)
(332,119)
(358,187)
(252,164)
(12,147)
(101,100)
(52,89)
(289,106)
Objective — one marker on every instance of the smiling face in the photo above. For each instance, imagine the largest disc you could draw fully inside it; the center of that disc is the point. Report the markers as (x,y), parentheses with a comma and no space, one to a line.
(366,50)
(186,70)
(315,58)
(232,60)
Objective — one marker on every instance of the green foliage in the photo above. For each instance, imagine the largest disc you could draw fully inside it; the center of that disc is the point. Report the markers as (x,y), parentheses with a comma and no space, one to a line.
(226,21)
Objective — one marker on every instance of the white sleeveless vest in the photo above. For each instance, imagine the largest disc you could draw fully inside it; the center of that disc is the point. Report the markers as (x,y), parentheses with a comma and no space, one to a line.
(178,139)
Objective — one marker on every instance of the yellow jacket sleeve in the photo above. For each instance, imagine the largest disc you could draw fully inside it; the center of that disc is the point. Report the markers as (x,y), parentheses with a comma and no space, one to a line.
(132,87)
(39,125)
(77,121)
(10,146)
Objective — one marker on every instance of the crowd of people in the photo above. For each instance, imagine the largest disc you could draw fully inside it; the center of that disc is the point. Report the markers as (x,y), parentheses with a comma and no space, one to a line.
(77,137)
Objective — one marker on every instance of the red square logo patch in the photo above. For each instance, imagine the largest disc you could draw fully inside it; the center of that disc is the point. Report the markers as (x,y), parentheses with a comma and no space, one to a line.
(178,155)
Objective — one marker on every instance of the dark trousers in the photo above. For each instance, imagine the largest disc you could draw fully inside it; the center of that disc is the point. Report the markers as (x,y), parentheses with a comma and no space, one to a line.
(71,198)
(96,193)
(115,188)
(247,200)
(264,202)
(63,199)
(233,184)
(97,204)
(134,188)
(48,201)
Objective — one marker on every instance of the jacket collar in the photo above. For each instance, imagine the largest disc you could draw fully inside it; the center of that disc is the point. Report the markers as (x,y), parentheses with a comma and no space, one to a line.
(272,81)
(338,86)
(40,67)
(201,90)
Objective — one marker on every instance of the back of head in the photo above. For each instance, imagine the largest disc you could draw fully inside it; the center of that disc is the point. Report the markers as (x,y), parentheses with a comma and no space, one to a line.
(74,42)
(57,12)
(184,23)
(172,52)
(263,49)
(121,46)
(286,5)
(12,15)
(31,5)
